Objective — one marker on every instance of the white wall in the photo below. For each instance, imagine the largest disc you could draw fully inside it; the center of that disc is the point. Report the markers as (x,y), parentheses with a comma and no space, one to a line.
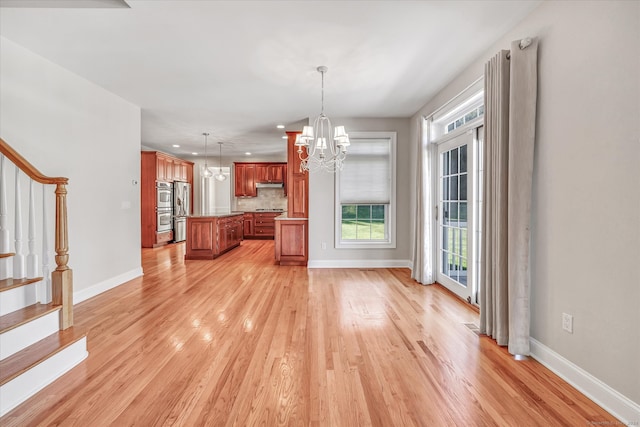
(586,195)
(322,206)
(67,126)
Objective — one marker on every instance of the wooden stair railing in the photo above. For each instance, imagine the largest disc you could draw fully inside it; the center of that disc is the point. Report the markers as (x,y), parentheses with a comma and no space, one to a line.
(62,276)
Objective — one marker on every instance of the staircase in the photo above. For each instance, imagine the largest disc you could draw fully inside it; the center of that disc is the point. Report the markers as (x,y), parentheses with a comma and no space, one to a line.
(38,342)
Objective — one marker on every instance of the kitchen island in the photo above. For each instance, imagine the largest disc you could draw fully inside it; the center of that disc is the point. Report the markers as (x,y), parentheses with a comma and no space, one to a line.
(209,236)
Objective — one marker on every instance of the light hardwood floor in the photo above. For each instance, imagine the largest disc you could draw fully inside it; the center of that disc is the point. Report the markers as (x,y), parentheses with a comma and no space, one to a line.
(241,341)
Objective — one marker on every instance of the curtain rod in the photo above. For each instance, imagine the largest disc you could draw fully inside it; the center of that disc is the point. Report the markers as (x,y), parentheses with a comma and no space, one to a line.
(524,43)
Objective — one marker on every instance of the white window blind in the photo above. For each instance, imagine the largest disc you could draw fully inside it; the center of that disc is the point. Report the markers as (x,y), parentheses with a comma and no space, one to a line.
(366,175)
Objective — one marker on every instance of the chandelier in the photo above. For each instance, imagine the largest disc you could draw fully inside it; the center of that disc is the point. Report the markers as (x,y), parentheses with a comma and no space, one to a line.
(321,150)
(205,170)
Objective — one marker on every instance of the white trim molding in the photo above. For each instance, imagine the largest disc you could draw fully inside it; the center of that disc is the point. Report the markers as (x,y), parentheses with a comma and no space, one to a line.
(360,263)
(105,285)
(609,399)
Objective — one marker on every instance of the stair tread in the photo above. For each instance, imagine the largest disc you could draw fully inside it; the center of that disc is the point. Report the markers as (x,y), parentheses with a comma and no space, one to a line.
(22,361)
(10,283)
(7,255)
(24,315)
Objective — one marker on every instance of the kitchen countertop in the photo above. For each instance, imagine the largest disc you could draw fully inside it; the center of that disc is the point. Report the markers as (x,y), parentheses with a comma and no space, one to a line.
(217,215)
(285,217)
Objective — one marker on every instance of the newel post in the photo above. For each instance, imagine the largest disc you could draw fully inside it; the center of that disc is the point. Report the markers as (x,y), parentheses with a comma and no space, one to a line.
(61,278)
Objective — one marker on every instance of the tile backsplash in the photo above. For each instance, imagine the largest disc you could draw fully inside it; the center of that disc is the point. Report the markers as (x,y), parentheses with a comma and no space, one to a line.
(268,198)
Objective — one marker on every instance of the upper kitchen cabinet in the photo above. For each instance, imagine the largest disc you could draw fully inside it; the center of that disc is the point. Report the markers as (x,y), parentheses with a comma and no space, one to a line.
(247,175)
(245,180)
(270,172)
(165,167)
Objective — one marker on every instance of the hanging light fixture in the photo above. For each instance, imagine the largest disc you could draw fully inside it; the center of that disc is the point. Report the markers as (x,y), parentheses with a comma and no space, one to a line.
(322,152)
(220,176)
(206,173)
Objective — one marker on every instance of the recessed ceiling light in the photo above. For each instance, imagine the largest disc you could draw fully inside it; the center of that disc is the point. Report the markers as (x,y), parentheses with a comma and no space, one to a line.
(247,153)
(284,136)
(280,126)
(176,146)
(195,154)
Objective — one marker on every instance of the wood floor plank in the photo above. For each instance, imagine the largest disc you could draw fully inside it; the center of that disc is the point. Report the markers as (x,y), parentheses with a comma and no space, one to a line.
(241,341)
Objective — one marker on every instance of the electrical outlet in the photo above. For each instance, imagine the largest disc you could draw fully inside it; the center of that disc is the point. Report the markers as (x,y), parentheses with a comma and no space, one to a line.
(324,245)
(567,322)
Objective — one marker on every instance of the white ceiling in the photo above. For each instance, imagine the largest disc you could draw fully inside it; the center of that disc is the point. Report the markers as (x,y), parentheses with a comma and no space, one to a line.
(236,69)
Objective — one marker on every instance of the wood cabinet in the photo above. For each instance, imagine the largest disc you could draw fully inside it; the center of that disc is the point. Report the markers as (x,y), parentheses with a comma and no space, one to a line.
(248,224)
(208,237)
(260,225)
(265,225)
(245,180)
(291,241)
(157,166)
(247,175)
(270,172)
(292,232)
(297,182)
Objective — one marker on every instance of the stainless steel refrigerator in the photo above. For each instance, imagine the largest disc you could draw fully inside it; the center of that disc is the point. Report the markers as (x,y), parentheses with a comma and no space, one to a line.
(181,209)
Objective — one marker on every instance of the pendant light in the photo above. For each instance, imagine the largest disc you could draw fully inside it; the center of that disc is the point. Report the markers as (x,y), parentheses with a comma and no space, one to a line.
(206,173)
(220,176)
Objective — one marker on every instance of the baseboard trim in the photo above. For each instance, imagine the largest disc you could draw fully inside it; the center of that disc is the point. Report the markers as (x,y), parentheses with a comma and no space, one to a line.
(359,263)
(609,399)
(105,285)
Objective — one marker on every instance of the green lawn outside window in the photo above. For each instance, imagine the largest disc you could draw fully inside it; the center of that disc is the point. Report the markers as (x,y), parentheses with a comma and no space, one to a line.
(363,222)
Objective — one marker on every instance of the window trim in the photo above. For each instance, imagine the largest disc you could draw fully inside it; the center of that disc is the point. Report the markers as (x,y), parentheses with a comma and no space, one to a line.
(390,242)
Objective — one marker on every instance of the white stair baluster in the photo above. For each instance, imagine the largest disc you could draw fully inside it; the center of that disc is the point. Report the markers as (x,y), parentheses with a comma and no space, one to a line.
(46,271)
(32,257)
(19,270)
(5,245)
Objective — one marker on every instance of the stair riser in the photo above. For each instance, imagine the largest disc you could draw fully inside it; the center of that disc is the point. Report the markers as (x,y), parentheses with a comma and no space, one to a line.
(6,268)
(32,381)
(17,298)
(23,336)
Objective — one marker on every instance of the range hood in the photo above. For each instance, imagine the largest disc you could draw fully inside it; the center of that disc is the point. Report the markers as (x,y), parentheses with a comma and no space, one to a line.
(269,185)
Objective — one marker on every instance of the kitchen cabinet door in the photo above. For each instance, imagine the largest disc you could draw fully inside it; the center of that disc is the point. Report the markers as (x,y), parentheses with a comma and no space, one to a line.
(248,225)
(168,172)
(297,182)
(262,172)
(275,173)
(177,171)
(269,172)
(161,165)
(245,180)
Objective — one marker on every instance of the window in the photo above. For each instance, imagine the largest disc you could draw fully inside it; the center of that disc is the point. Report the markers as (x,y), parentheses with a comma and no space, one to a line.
(464,112)
(465,119)
(365,192)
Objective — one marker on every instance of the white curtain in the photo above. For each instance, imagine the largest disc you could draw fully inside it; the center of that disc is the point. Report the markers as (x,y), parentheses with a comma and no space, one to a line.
(423,244)
(510,111)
